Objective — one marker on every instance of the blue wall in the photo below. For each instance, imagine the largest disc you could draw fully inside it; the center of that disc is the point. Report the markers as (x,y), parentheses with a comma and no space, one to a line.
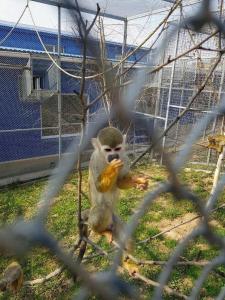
(27,40)
(17,114)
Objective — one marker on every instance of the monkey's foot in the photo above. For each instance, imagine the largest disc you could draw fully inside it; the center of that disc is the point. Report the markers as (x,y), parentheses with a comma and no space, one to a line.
(109,236)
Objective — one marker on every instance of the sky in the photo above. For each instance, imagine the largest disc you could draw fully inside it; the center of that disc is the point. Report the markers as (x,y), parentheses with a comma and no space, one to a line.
(46,16)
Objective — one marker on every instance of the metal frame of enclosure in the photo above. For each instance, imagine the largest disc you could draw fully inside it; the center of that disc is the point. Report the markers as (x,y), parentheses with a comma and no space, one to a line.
(24,167)
(165,95)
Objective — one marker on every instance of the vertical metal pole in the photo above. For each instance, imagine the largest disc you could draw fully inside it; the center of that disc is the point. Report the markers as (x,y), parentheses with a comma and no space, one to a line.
(182,101)
(59,90)
(157,111)
(170,92)
(210,91)
(219,96)
(123,46)
(176,141)
(158,105)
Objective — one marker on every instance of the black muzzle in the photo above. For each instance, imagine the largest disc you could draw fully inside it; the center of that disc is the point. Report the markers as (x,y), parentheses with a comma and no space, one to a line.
(112,157)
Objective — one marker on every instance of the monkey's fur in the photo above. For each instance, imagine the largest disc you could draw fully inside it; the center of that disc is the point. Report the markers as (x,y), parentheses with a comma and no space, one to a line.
(12,278)
(108,172)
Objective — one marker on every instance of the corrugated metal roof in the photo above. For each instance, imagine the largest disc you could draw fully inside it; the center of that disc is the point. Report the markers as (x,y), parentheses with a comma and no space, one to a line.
(32,51)
(25,40)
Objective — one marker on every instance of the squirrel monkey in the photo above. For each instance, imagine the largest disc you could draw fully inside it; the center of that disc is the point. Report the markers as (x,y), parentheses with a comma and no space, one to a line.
(12,278)
(108,172)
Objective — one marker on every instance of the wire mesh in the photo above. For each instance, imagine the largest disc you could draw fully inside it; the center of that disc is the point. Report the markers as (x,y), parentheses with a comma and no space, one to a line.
(30,128)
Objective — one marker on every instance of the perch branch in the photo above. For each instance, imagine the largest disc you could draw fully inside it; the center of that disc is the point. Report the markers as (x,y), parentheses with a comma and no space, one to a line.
(166,288)
(84,32)
(87,240)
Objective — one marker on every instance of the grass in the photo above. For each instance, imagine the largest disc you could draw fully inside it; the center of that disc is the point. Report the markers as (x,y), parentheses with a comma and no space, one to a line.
(21,200)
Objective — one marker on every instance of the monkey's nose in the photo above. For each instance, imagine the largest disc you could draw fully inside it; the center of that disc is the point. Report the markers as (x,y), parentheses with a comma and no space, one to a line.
(112,157)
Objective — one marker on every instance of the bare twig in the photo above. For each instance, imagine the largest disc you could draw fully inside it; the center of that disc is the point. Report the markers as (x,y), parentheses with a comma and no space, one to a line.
(87,240)
(84,32)
(25,235)
(193,98)
(166,288)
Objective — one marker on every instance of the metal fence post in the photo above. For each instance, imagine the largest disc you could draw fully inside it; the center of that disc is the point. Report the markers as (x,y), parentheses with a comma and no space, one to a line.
(219,96)
(59,90)
(170,92)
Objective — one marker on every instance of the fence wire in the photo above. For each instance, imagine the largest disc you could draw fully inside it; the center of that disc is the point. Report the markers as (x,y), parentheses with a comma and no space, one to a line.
(22,235)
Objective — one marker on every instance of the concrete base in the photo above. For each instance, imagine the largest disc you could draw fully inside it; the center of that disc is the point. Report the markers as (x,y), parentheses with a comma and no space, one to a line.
(28,169)
(23,170)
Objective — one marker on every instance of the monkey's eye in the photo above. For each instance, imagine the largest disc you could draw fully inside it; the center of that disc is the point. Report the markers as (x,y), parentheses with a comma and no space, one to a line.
(107,149)
(118,149)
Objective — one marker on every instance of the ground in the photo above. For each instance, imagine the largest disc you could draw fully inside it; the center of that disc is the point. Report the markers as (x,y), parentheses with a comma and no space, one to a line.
(166,212)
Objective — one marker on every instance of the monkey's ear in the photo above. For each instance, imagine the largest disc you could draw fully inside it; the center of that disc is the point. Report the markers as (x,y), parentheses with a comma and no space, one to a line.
(95,143)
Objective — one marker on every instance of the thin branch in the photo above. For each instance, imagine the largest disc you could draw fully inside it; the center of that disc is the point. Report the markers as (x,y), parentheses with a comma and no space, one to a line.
(166,288)
(179,263)
(55,273)
(84,31)
(178,225)
(170,60)
(156,69)
(193,98)
(87,240)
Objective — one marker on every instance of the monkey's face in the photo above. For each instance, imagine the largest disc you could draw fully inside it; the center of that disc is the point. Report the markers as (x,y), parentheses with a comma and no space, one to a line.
(110,143)
(112,153)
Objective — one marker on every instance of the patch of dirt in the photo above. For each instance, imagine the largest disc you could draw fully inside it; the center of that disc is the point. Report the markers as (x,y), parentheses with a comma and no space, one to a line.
(163,248)
(184,229)
(187,282)
(203,247)
(208,181)
(181,231)
(69,187)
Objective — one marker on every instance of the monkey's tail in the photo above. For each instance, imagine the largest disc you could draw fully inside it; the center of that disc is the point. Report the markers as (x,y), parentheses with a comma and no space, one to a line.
(3,285)
(83,233)
(83,247)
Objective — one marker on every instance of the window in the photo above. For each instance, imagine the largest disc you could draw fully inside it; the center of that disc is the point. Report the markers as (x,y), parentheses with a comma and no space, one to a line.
(37,83)
(70,117)
(54,48)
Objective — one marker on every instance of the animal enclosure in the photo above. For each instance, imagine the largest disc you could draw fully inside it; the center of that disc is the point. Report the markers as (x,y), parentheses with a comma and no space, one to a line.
(164,89)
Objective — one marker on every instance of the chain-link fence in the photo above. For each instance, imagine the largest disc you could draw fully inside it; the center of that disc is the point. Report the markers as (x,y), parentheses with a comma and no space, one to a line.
(40,110)
(39,114)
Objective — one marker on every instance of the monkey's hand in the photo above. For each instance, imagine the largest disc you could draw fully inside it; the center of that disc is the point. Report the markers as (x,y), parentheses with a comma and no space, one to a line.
(129,181)
(109,175)
(141,182)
